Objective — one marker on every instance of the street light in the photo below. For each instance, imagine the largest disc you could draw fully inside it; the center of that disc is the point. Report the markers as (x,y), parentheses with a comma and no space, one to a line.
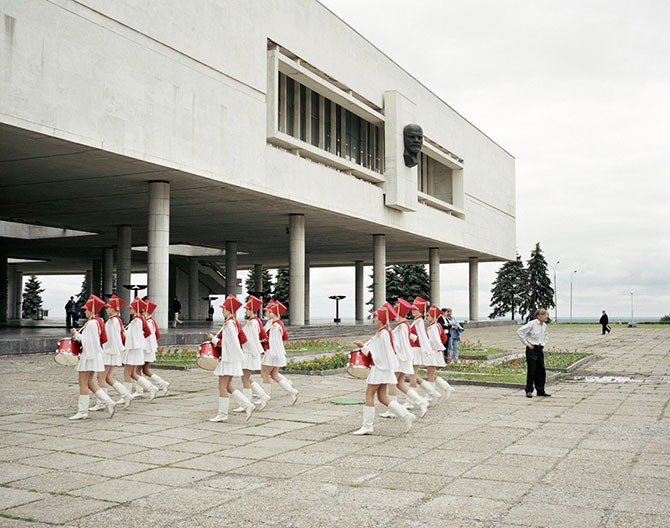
(337,299)
(571,275)
(555,292)
(632,322)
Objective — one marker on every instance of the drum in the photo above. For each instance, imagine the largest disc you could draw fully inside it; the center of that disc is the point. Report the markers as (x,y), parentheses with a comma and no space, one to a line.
(68,351)
(359,364)
(208,356)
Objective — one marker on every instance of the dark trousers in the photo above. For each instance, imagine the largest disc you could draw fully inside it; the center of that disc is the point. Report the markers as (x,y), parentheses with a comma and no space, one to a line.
(605,329)
(537,374)
(69,319)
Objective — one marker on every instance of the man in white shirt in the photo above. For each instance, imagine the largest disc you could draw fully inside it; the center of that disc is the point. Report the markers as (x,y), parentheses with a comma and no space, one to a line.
(534,335)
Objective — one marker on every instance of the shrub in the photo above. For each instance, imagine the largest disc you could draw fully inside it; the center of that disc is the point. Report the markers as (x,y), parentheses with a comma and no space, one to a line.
(332,362)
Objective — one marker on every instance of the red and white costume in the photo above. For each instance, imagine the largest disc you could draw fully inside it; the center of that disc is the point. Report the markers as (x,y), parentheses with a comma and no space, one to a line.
(380,346)
(136,335)
(231,336)
(256,335)
(403,347)
(151,345)
(437,339)
(91,336)
(114,347)
(275,355)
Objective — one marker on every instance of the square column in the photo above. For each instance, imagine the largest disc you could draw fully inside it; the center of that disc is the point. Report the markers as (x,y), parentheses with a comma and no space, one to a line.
(18,293)
(307,286)
(231,267)
(296,270)
(434,272)
(107,273)
(378,270)
(96,285)
(158,256)
(474,288)
(193,283)
(258,281)
(4,270)
(11,291)
(123,263)
(360,292)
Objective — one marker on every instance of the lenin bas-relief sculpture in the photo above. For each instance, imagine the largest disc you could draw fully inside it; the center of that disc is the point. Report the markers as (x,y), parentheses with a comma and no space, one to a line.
(413,136)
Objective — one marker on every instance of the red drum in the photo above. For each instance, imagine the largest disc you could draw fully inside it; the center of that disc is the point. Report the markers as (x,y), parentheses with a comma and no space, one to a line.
(208,357)
(67,353)
(359,364)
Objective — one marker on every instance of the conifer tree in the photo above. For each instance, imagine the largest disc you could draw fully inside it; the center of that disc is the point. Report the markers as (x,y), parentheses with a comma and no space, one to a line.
(508,289)
(267,288)
(84,293)
(405,281)
(539,293)
(32,298)
(281,287)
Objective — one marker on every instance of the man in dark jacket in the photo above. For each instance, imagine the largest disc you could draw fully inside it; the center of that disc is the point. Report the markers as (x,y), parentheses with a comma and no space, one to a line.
(604,321)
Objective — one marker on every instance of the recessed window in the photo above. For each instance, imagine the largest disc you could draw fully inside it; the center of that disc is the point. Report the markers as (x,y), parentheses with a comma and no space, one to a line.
(435,179)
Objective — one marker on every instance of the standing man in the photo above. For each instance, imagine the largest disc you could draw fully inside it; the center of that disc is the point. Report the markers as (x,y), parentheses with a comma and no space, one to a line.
(69,313)
(176,308)
(605,321)
(534,335)
(454,333)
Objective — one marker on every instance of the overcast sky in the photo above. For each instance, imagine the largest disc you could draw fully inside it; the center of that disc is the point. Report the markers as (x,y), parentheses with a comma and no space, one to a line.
(579,93)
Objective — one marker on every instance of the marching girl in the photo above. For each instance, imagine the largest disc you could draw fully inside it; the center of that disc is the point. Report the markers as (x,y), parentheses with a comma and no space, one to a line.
(422,351)
(437,339)
(253,350)
(232,337)
(382,373)
(136,335)
(91,336)
(151,348)
(113,349)
(275,355)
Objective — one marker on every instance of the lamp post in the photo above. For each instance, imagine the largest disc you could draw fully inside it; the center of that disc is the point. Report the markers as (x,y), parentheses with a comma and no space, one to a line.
(555,292)
(571,275)
(337,299)
(632,321)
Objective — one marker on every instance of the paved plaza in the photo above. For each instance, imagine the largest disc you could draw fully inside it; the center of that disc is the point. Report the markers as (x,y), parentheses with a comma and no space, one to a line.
(594,455)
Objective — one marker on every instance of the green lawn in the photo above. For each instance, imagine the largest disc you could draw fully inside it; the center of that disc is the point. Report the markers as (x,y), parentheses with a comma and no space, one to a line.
(510,377)
(484,352)
(176,356)
(559,359)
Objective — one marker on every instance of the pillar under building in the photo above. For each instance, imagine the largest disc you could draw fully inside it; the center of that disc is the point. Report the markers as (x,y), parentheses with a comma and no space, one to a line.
(231,267)
(474,288)
(11,291)
(96,285)
(296,267)
(258,281)
(18,284)
(434,273)
(107,273)
(193,282)
(378,270)
(4,270)
(307,287)
(360,291)
(158,256)
(123,266)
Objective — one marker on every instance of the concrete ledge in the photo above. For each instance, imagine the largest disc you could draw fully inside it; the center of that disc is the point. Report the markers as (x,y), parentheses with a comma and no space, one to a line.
(550,381)
(331,372)
(487,323)
(576,365)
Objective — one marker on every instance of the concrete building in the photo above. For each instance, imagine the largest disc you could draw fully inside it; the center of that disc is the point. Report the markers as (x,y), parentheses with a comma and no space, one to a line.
(238,135)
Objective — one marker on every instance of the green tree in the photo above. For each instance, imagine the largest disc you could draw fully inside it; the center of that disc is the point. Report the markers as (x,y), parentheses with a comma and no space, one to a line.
(84,293)
(268,286)
(665,319)
(405,281)
(508,289)
(281,287)
(32,297)
(539,293)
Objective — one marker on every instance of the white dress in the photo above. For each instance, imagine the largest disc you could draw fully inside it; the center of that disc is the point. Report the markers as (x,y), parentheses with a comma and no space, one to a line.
(437,359)
(135,342)
(231,351)
(252,348)
(403,348)
(386,363)
(422,353)
(275,356)
(151,342)
(90,358)
(114,346)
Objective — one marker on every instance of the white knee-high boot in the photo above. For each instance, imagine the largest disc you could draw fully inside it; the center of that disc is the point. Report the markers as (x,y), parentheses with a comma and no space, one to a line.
(160,383)
(138,391)
(245,402)
(368,421)
(403,413)
(147,386)
(109,403)
(415,398)
(284,384)
(247,393)
(434,393)
(223,411)
(123,391)
(444,385)
(99,402)
(263,397)
(82,408)
(387,413)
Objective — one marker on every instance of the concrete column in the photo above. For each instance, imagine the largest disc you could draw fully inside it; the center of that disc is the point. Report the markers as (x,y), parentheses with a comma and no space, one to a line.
(258,281)
(158,257)
(107,272)
(434,272)
(18,284)
(11,291)
(89,281)
(307,286)
(123,266)
(4,270)
(296,270)
(231,267)
(360,291)
(378,270)
(474,288)
(193,282)
(96,285)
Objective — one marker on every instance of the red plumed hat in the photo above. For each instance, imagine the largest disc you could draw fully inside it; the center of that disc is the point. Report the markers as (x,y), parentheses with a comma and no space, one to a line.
(403,307)
(277,308)
(386,313)
(269,305)
(150,306)
(420,304)
(116,303)
(253,304)
(232,303)
(434,312)
(94,304)
(138,305)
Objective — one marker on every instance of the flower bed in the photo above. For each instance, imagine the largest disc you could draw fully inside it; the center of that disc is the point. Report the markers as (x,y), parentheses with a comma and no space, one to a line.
(179,356)
(469,350)
(334,364)
(306,346)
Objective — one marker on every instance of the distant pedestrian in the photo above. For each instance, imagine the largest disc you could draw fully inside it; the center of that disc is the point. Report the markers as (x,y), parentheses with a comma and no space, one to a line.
(176,308)
(455,330)
(534,335)
(605,322)
(70,311)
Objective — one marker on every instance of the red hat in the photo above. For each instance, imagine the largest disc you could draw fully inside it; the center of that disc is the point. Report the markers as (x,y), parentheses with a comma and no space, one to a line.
(434,312)
(232,303)
(138,305)
(385,313)
(253,304)
(116,303)
(94,304)
(149,306)
(403,307)
(269,305)
(420,304)
(277,308)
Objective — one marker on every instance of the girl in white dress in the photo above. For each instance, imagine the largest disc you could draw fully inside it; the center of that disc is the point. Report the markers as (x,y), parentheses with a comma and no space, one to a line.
(437,338)
(382,373)
(114,348)
(91,336)
(422,351)
(151,348)
(253,350)
(232,337)
(275,355)
(136,335)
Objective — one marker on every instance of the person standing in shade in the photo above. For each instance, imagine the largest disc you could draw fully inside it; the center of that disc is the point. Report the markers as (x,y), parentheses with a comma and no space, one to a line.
(454,333)
(176,308)
(605,322)
(534,335)
(70,310)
